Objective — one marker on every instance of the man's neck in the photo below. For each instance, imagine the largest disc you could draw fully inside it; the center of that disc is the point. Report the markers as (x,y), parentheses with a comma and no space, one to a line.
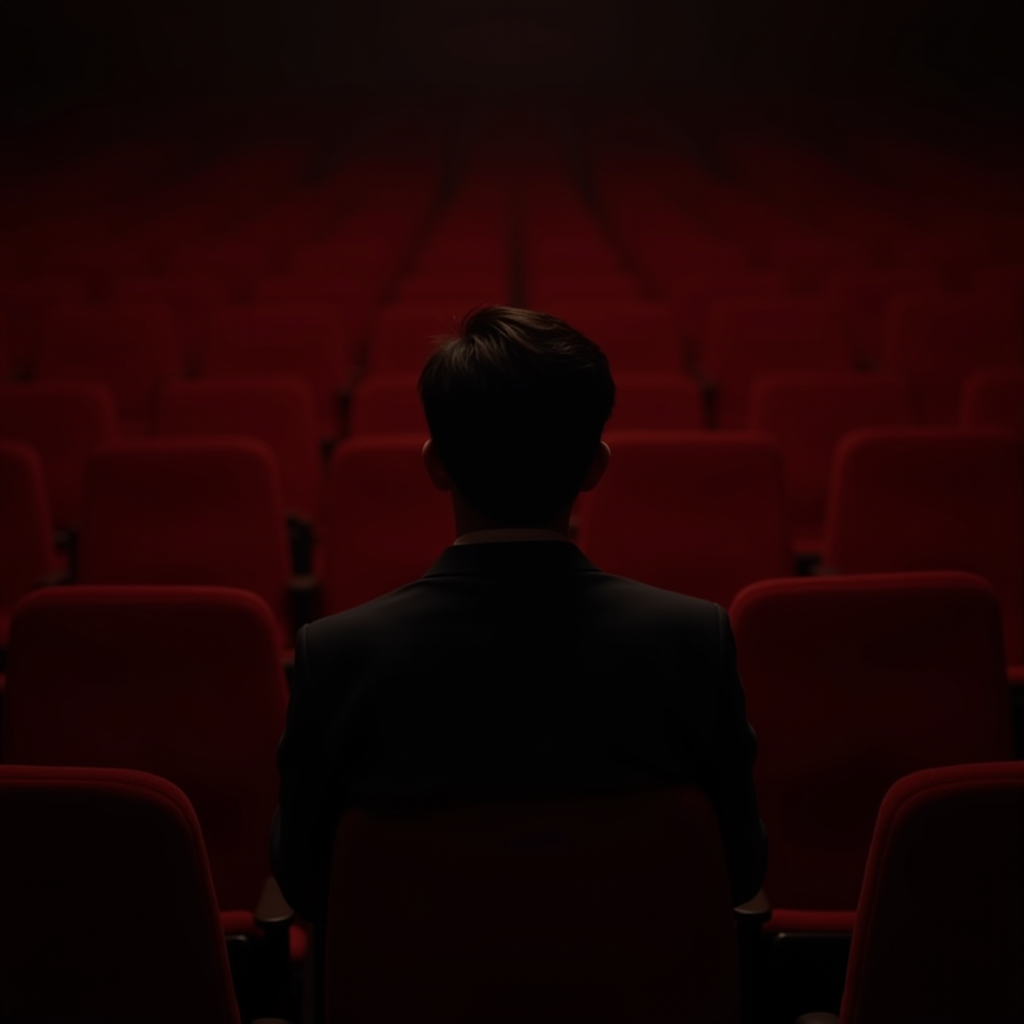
(504,535)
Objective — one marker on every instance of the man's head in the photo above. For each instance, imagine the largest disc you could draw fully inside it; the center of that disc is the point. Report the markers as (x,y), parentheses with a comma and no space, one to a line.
(516,406)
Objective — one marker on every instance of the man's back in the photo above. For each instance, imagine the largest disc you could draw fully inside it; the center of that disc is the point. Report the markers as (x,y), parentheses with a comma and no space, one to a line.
(511,670)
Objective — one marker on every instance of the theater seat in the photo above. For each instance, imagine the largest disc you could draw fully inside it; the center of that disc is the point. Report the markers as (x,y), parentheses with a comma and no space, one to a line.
(936,342)
(129,349)
(851,683)
(187,511)
(806,413)
(656,401)
(404,334)
(699,513)
(106,902)
(994,398)
(939,934)
(912,498)
(387,404)
(384,523)
(66,422)
(588,911)
(26,530)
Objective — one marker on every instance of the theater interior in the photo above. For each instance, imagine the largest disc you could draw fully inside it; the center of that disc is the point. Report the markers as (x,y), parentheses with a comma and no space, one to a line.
(232,231)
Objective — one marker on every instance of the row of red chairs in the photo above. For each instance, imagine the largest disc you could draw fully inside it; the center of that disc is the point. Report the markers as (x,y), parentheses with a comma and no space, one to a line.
(851,684)
(700,513)
(122,851)
(934,342)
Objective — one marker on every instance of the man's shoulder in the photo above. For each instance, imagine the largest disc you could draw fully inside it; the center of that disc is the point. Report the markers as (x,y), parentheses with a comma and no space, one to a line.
(609,598)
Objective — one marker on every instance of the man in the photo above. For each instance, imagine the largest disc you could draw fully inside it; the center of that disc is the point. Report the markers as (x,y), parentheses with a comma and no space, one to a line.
(514,667)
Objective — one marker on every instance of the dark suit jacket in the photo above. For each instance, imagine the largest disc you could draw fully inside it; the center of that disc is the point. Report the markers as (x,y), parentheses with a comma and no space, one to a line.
(511,669)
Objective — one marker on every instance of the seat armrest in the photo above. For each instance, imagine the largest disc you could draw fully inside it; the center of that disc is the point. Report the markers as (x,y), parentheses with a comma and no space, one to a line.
(303,598)
(818,1017)
(756,911)
(274,916)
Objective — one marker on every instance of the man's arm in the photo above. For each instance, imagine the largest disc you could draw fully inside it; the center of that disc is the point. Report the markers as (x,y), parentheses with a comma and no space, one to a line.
(309,803)
(730,782)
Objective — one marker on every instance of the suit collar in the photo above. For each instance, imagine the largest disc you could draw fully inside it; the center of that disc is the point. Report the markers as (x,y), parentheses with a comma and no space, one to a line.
(512,558)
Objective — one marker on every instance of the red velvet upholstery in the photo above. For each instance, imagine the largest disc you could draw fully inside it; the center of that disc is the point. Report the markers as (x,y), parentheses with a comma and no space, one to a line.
(910,498)
(700,513)
(26,531)
(936,342)
(748,338)
(384,523)
(387,404)
(806,413)
(130,349)
(66,422)
(636,336)
(994,398)
(852,683)
(940,925)
(597,910)
(187,510)
(184,682)
(656,401)
(25,303)
(307,340)
(107,904)
(280,412)
(404,335)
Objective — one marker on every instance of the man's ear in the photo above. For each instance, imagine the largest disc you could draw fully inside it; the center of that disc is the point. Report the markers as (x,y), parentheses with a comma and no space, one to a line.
(438,474)
(597,467)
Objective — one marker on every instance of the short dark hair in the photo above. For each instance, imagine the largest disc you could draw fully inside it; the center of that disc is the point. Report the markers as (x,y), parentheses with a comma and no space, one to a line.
(516,406)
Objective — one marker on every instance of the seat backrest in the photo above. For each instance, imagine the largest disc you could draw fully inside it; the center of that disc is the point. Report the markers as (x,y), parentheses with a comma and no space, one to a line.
(384,523)
(904,499)
(26,531)
(700,513)
(937,341)
(806,413)
(747,338)
(636,336)
(280,412)
(387,404)
(66,422)
(852,682)
(184,682)
(106,900)
(186,510)
(403,335)
(130,349)
(593,909)
(940,926)
(994,398)
(656,401)
(290,339)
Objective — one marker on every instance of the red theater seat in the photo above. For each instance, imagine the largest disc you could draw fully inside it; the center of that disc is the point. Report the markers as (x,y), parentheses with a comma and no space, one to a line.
(384,523)
(851,684)
(936,342)
(66,423)
(106,900)
(25,304)
(910,498)
(930,941)
(636,336)
(469,286)
(994,398)
(281,413)
(652,401)
(749,338)
(598,910)
(553,287)
(699,513)
(129,349)
(26,530)
(807,413)
(405,334)
(187,511)
(387,405)
(278,339)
